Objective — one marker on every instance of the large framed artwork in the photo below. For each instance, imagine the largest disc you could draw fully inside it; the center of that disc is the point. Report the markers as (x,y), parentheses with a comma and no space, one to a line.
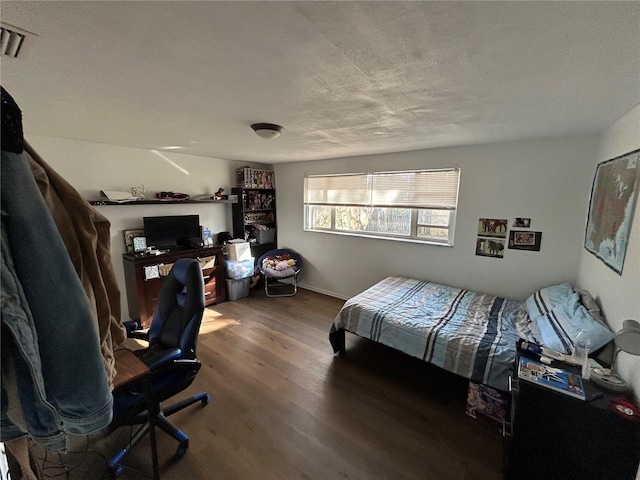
(611,209)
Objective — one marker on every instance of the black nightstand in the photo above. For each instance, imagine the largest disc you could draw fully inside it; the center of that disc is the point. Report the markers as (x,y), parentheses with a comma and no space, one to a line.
(558,437)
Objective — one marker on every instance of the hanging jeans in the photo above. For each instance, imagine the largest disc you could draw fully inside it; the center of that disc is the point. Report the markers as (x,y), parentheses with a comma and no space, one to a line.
(56,362)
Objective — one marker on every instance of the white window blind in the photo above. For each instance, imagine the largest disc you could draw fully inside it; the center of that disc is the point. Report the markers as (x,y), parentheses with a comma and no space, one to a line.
(436,189)
(350,189)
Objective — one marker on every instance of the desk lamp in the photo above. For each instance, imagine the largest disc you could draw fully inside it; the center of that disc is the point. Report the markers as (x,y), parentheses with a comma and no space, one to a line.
(627,339)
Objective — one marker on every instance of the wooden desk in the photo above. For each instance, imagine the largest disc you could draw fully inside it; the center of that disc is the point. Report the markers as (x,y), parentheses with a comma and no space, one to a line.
(142,292)
(128,367)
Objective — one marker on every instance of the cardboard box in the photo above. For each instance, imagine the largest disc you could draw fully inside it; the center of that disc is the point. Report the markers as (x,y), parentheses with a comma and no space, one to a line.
(238,251)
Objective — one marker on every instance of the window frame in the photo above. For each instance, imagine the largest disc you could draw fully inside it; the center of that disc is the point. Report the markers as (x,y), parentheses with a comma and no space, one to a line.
(316,197)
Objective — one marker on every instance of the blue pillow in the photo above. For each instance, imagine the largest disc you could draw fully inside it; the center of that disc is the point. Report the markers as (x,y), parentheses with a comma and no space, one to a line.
(559,327)
(543,301)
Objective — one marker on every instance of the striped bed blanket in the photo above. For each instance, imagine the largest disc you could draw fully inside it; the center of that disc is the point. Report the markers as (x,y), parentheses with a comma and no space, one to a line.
(471,334)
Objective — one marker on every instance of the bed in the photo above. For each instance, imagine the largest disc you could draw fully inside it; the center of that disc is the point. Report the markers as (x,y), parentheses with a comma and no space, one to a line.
(471,334)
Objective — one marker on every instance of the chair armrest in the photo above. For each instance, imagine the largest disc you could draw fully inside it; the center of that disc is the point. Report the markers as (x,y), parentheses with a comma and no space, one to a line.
(139,334)
(187,361)
(134,331)
(186,364)
(160,358)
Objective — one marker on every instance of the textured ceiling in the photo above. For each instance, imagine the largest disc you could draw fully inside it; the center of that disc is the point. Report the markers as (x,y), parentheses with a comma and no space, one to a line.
(342,78)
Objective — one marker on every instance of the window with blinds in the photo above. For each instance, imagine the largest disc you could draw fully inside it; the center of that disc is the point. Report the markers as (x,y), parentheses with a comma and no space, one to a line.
(416,205)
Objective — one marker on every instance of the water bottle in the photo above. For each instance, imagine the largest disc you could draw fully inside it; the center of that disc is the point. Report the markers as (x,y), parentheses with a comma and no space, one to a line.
(581,353)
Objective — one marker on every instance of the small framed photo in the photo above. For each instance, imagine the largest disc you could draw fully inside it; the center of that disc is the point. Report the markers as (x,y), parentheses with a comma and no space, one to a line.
(490,247)
(139,244)
(129,235)
(493,227)
(525,240)
(521,222)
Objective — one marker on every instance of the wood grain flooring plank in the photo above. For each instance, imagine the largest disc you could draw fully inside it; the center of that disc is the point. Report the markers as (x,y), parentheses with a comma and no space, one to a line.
(284,407)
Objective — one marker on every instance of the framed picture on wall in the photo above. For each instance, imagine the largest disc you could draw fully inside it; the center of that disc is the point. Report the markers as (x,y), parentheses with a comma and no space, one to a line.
(611,209)
(129,235)
(525,240)
(521,222)
(493,227)
(139,244)
(490,247)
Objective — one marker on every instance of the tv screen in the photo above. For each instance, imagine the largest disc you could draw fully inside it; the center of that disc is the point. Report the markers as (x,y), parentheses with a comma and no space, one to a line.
(171,231)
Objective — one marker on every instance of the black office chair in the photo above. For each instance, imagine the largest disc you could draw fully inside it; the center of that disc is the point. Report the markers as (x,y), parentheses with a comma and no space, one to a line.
(171,359)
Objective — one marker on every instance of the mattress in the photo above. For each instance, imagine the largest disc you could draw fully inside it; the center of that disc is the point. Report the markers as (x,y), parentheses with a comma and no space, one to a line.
(471,334)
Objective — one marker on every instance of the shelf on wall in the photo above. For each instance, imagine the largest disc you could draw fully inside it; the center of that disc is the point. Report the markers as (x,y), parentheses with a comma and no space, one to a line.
(156,202)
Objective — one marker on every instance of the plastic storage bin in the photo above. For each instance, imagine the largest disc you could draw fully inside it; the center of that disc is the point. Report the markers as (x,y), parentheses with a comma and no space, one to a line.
(266,236)
(238,288)
(238,269)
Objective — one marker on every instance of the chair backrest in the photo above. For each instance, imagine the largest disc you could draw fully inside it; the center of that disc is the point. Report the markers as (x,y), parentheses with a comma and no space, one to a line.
(177,319)
(278,252)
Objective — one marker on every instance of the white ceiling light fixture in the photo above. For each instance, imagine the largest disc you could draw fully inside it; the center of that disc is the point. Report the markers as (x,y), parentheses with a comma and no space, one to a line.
(267,130)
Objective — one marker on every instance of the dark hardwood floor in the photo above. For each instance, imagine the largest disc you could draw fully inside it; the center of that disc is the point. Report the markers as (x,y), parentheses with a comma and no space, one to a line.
(284,407)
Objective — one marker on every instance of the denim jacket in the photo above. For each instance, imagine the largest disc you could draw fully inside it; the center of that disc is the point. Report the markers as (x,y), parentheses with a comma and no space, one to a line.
(52,363)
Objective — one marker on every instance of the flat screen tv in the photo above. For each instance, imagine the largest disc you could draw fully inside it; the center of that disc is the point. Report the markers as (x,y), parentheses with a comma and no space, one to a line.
(171,232)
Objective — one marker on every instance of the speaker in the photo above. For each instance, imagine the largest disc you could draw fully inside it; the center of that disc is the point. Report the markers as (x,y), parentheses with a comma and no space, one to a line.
(223,238)
(195,242)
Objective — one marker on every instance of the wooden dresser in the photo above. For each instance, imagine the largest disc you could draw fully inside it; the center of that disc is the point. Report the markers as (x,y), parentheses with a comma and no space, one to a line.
(144,275)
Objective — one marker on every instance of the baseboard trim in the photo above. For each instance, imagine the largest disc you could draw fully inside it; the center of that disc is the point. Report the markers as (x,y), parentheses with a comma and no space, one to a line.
(322,291)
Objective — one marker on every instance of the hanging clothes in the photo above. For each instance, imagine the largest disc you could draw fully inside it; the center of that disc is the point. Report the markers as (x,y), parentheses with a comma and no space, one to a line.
(87,236)
(54,380)
(66,349)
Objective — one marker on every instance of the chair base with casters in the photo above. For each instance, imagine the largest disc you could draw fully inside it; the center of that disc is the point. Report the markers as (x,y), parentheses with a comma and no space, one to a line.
(280,269)
(156,417)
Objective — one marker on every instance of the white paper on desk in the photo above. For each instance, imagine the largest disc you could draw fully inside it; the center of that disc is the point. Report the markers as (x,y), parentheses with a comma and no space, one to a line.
(151,272)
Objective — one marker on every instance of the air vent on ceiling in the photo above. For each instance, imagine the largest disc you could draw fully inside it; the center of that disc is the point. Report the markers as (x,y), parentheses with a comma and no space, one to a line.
(13,41)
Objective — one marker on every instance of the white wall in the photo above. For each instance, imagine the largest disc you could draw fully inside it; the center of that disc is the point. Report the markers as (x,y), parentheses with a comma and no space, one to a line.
(91,167)
(547,180)
(618,295)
